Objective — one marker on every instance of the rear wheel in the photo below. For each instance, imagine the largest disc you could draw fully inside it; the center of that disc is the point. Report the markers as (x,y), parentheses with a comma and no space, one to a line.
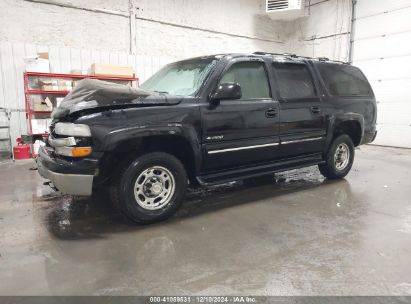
(339,158)
(150,188)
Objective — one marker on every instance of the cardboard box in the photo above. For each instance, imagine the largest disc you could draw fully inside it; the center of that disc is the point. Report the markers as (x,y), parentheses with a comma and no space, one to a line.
(36,99)
(46,87)
(48,81)
(99,69)
(43,55)
(48,102)
(49,85)
(39,63)
(66,83)
(78,72)
(65,88)
(41,107)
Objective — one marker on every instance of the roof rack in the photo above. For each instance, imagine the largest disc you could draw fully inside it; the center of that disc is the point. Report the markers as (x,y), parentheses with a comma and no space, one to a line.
(277,54)
(300,57)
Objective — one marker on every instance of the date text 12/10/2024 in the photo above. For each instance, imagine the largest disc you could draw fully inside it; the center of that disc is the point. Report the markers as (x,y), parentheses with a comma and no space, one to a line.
(203,299)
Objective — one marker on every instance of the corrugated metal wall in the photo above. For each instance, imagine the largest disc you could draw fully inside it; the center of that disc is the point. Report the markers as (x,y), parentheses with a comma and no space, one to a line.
(62,60)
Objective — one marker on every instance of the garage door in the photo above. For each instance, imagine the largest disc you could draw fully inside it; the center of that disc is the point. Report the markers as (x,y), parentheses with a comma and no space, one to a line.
(382,49)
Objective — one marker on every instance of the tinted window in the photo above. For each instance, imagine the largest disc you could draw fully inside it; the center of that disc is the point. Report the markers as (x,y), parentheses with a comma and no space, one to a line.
(344,80)
(294,80)
(252,78)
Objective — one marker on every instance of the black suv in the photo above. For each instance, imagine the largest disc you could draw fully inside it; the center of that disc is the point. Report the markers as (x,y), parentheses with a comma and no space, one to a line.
(207,120)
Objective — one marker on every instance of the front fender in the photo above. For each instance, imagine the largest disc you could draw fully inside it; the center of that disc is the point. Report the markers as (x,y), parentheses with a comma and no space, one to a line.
(116,137)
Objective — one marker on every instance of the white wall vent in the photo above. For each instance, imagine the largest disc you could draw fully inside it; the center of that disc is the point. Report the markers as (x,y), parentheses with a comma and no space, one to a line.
(284,9)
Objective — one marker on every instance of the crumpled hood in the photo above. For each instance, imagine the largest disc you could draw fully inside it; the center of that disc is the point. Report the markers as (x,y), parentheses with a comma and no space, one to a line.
(93,93)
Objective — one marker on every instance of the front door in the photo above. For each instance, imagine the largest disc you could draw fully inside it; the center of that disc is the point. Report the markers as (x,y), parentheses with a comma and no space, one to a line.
(303,122)
(242,131)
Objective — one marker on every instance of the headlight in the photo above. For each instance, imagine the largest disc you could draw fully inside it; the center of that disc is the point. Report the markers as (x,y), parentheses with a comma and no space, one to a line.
(67,145)
(72,129)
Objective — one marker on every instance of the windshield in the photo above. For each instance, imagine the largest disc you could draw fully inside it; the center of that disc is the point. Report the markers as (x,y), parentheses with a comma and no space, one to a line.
(180,78)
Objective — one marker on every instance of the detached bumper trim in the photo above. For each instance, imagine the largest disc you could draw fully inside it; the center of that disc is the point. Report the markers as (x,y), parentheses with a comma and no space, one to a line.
(67,183)
(74,184)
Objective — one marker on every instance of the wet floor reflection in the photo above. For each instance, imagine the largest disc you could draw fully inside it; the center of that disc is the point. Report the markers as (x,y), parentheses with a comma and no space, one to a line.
(70,217)
(208,242)
(297,234)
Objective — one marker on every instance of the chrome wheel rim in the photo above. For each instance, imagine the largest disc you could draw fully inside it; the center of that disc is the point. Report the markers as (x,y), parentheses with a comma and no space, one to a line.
(341,156)
(154,188)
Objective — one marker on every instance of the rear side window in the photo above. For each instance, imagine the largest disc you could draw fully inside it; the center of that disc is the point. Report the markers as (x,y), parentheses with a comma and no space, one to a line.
(294,80)
(344,80)
(252,78)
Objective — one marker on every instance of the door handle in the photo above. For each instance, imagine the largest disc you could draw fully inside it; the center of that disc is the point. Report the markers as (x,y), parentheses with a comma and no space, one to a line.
(271,112)
(315,109)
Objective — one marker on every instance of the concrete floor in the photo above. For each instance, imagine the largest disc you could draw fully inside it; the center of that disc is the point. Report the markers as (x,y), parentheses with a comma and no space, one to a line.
(300,236)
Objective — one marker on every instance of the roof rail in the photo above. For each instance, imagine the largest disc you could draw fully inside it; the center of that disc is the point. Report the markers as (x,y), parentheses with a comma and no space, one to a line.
(301,57)
(335,61)
(276,54)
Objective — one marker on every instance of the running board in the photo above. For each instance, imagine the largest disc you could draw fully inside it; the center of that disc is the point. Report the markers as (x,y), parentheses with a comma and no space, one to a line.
(261,169)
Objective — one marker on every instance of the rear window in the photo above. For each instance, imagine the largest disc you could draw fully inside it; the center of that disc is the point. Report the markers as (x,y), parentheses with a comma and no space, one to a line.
(294,80)
(344,80)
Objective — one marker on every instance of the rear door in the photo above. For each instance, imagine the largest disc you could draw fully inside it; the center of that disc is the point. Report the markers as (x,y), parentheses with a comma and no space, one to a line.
(242,131)
(303,123)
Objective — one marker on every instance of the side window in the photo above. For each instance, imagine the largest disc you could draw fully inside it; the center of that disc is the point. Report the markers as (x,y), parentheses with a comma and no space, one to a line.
(252,78)
(294,80)
(344,80)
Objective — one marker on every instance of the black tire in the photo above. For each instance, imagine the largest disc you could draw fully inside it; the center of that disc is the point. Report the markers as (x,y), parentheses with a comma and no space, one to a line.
(124,181)
(330,169)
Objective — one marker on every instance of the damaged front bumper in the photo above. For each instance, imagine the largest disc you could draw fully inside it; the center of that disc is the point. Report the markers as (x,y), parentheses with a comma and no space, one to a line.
(73,177)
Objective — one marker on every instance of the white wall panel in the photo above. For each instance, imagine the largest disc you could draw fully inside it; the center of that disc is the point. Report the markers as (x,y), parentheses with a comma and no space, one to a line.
(393,135)
(41,23)
(372,7)
(241,17)
(161,27)
(394,22)
(382,49)
(389,68)
(324,32)
(392,90)
(394,113)
(62,60)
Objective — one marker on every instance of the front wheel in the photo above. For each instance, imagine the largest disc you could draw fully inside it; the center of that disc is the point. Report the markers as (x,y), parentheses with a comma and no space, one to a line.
(150,188)
(339,158)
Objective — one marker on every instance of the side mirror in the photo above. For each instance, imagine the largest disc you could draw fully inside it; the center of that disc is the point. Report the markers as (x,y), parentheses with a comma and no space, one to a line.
(229,90)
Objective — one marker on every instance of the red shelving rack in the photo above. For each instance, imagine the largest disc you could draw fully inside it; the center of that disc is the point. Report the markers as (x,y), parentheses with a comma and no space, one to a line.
(28,92)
